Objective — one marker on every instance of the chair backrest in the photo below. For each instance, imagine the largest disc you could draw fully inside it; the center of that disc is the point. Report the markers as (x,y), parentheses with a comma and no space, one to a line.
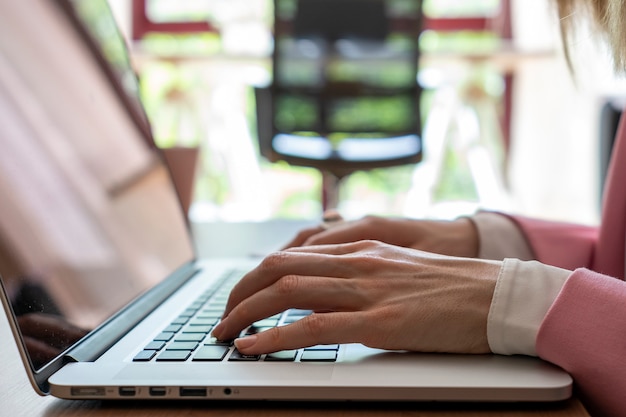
(335,60)
(341,19)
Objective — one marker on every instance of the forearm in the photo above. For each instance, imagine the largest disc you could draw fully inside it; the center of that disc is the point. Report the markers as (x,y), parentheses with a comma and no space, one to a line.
(584,332)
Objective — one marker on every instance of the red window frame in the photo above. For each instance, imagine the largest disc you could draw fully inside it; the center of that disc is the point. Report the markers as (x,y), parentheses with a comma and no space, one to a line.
(485,23)
(474,23)
(142,24)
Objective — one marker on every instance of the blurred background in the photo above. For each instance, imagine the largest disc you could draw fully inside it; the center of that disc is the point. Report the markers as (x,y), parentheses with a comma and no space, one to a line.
(505,124)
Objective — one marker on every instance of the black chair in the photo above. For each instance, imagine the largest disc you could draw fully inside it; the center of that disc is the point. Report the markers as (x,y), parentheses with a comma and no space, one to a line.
(344,95)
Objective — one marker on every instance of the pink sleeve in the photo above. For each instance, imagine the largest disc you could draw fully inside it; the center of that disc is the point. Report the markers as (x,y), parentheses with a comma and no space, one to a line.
(564,245)
(584,332)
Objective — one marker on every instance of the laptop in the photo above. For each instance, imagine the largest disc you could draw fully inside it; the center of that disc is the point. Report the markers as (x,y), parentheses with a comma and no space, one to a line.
(100,282)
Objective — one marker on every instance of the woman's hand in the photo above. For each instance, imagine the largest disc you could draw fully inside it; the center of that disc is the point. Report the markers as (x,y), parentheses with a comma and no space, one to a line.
(369,292)
(453,238)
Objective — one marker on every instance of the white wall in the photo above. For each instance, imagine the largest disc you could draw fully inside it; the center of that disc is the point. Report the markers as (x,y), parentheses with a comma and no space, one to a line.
(554,166)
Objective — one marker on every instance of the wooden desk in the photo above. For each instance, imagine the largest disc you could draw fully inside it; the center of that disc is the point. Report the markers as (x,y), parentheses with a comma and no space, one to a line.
(17,398)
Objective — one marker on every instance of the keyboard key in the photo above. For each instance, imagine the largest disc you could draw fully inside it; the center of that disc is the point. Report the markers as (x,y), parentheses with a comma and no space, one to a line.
(216,342)
(198,329)
(266,323)
(322,347)
(180,320)
(189,312)
(164,337)
(255,330)
(173,328)
(216,313)
(298,312)
(319,356)
(189,337)
(173,356)
(211,353)
(294,315)
(290,320)
(144,356)
(282,356)
(190,346)
(157,345)
(203,321)
(240,357)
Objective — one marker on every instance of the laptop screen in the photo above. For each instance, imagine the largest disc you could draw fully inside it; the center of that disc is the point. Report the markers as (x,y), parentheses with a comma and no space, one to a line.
(89,218)
(94,20)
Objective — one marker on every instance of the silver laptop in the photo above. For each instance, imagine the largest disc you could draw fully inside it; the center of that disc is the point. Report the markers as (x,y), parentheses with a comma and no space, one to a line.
(99,279)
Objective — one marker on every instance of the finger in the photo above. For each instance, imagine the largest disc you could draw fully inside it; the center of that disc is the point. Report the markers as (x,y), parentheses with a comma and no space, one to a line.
(320,261)
(330,218)
(336,249)
(316,329)
(340,233)
(302,236)
(292,291)
(344,232)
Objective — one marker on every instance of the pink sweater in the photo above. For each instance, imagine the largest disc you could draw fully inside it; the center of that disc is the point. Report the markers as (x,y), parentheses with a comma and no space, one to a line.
(584,331)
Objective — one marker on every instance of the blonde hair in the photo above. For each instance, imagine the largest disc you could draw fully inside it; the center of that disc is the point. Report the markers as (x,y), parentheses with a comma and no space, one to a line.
(609,17)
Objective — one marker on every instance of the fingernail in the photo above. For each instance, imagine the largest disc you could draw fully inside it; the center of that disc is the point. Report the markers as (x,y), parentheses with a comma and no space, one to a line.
(218,330)
(246,342)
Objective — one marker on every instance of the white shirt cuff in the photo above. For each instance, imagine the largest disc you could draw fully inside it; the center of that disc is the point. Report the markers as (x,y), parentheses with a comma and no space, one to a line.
(524,292)
(500,238)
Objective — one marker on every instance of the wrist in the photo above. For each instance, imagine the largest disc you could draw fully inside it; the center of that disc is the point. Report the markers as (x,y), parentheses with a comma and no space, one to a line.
(463,238)
(457,238)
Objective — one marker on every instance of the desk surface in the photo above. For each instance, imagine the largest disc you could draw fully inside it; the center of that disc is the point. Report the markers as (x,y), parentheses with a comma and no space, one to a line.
(17,398)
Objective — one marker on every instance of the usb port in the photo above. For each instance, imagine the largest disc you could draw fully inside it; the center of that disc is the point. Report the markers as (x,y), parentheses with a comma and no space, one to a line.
(158,391)
(192,392)
(88,391)
(127,391)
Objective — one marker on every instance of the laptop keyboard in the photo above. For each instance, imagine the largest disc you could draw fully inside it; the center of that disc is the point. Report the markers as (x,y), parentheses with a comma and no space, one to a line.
(187,337)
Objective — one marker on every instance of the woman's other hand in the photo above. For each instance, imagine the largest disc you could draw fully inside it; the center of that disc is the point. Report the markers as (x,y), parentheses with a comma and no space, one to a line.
(452,238)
